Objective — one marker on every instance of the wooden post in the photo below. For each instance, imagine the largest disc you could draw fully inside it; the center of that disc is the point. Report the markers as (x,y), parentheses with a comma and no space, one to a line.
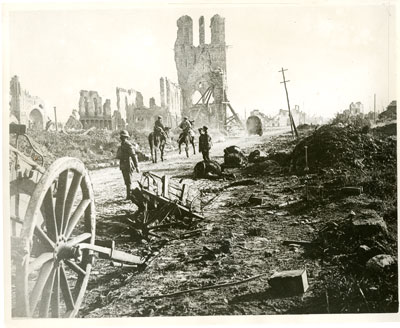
(185,189)
(165,180)
(55,117)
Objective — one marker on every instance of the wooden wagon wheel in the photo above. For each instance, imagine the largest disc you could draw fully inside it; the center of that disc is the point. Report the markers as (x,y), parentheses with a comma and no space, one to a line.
(51,272)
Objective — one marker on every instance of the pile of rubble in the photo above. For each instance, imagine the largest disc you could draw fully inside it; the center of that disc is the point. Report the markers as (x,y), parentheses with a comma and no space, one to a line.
(346,148)
(92,146)
(359,249)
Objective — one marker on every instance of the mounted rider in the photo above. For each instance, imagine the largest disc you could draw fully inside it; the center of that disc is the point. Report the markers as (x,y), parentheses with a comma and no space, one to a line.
(159,127)
(186,127)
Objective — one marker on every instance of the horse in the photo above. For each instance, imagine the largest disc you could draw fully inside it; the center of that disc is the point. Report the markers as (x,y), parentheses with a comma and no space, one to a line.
(158,140)
(187,139)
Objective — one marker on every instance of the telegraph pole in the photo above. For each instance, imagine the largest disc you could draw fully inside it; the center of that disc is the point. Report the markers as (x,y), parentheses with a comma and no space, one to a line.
(292,125)
(374,107)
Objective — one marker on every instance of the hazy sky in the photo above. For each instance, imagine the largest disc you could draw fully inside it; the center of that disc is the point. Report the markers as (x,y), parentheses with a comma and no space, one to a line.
(335,54)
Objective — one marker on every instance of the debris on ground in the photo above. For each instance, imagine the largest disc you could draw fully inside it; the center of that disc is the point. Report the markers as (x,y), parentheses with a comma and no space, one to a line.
(207,170)
(289,282)
(234,157)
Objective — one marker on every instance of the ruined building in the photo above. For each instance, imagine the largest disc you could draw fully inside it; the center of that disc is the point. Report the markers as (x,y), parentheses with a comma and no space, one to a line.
(171,101)
(92,112)
(26,109)
(202,69)
(132,113)
(73,121)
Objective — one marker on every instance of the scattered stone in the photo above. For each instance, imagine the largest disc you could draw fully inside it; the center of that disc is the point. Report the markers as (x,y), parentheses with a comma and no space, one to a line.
(368,222)
(351,191)
(289,282)
(254,200)
(364,248)
(267,254)
(380,262)
(257,156)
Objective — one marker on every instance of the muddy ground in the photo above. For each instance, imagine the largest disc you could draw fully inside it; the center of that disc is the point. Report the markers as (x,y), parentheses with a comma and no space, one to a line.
(235,241)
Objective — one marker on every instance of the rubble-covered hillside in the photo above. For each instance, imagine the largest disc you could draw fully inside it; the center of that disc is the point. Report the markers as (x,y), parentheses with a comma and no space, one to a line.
(92,146)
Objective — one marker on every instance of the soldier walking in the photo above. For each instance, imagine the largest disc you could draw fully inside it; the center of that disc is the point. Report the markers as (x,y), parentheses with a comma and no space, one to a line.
(127,160)
(205,143)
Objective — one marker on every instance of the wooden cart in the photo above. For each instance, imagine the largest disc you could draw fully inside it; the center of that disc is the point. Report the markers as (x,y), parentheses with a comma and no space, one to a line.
(53,230)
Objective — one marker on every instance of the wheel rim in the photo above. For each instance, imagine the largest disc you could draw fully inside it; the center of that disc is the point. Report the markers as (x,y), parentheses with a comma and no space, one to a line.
(50,279)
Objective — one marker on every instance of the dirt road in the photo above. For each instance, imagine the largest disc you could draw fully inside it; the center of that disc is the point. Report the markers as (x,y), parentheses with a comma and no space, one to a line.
(236,242)
(108,183)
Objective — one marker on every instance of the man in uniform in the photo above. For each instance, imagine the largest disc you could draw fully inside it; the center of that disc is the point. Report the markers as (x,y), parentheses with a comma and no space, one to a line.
(127,160)
(205,144)
(159,127)
(186,127)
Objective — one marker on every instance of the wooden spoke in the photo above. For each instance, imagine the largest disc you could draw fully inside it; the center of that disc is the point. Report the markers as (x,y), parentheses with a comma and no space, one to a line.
(55,298)
(76,216)
(73,189)
(60,204)
(37,263)
(78,239)
(60,198)
(69,302)
(49,216)
(75,267)
(40,283)
(43,237)
(46,296)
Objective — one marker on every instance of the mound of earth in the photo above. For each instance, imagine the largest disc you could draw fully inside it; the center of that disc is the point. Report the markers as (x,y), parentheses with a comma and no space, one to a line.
(344,148)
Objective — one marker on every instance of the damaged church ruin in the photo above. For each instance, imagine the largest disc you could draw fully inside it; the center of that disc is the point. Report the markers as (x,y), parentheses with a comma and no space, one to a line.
(25,108)
(202,71)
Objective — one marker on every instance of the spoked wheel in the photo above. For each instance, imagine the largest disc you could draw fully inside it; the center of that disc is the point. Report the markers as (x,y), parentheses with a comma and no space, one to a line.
(51,272)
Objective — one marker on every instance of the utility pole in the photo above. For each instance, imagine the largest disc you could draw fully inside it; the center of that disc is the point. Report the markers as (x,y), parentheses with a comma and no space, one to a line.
(374,107)
(55,117)
(292,125)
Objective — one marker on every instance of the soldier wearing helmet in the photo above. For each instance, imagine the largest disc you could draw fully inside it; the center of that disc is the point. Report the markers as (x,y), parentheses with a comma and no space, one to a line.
(127,160)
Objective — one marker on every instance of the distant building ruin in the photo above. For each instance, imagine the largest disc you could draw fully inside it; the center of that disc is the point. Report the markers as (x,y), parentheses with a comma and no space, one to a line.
(26,109)
(73,121)
(92,111)
(201,69)
(171,100)
(132,113)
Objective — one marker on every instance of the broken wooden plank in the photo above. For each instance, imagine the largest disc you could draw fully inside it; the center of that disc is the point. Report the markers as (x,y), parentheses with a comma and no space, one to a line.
(206,287)
(165,183)
(298,242)
(165,200)
(185,192)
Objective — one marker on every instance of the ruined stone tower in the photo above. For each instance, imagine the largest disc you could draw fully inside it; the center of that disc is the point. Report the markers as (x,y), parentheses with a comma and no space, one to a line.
(202,67)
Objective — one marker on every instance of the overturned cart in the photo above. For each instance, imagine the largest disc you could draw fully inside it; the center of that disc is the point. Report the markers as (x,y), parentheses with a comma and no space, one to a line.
(163,203)
(53,232)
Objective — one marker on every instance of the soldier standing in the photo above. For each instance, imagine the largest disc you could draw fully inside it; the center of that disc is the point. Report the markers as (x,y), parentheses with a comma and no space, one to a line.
(205,144)
(127,160)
